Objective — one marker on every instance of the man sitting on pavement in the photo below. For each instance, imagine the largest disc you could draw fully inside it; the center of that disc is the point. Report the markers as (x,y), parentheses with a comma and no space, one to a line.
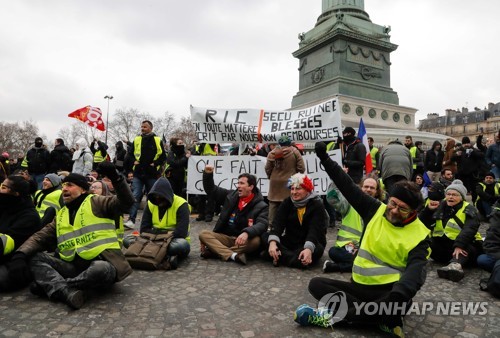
(243,219)
(389,267)
(168,212)
(446,177)
(88,254)
(488,192)
(342,254)
(48,201)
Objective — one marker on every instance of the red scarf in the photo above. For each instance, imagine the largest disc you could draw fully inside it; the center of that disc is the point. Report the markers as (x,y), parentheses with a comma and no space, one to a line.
(244,201)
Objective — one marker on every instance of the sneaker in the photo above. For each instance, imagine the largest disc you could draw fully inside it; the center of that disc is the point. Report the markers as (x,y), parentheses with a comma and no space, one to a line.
(329,266)
(207,254)
(129,224)
(306,315)
(452,271)
(396,331)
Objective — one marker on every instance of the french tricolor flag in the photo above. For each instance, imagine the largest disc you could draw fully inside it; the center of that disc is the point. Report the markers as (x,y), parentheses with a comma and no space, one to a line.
(364,138)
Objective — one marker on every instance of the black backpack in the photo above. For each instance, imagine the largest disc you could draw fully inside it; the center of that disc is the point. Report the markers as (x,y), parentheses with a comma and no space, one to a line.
(492,284)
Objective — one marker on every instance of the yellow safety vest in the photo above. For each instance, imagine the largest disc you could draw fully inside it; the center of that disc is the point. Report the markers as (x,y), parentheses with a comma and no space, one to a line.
(51,200)
(8,244)
(88,236)
(169,220)
(373,153)
(413,152)
(98,157)
(138,144)
(452,229)
(350,230)
(496,189)
(383,254)
(330,146)
(120,230)
(207,150)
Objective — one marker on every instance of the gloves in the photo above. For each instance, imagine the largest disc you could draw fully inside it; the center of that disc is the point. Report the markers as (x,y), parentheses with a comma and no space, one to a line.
(108,169)
(19,272)
(320,149)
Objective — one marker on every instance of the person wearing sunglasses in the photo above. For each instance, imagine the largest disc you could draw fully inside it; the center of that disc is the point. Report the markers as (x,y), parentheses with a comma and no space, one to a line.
(83,235)
(455,236)
(19,220)
(389,267)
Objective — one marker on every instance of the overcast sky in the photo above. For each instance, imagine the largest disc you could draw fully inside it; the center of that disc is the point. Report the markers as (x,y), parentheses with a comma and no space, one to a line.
(163,55)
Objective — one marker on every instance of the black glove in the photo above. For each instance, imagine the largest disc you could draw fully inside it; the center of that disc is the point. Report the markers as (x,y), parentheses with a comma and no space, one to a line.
(108,169)
(320,149)
(19,272)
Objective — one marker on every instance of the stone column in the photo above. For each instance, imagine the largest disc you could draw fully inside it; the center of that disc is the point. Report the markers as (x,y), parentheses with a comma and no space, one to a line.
(329,4)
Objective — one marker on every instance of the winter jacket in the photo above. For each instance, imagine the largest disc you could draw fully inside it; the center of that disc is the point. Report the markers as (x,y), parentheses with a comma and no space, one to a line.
(493,155)
(469,161)
(83,163)
(491,244)
(256,209)
(293,235)
(176,169)
(414,274)
(449,152)
(354,159)
(162,188)
(281,164)
(444,212)
(434,160)
(119,160)
(395,159)
(60,159)
(102,206)
(37,161)
(18,219)
(147,156)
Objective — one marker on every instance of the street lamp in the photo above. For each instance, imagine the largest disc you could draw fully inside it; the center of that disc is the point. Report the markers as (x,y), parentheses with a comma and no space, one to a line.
(108,97)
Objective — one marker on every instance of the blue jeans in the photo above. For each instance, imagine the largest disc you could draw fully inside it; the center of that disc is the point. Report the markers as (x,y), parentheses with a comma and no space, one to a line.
(486,262)
(179,247)
(138,185)
(496,171)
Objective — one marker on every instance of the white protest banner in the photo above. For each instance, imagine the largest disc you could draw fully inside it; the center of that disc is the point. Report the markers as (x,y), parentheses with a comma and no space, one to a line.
(228,168)
(317,123)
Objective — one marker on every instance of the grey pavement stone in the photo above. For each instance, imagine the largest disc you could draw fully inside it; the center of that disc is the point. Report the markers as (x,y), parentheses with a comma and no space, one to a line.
(211,298)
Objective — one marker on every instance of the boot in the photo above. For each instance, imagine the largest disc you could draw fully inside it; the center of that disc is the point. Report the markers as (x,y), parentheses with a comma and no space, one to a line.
(74,298)
(174,262)
(452,271)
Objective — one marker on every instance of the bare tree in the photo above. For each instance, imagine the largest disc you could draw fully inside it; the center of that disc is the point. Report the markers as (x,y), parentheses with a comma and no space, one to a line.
(185,130)
(17,138)
(79,130)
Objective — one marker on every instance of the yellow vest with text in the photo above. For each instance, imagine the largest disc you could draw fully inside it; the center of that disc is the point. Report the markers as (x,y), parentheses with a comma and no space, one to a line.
(88,236)
(452,229)
(350,230)
(51,200)
(383,254)
(138,145)
(169,220)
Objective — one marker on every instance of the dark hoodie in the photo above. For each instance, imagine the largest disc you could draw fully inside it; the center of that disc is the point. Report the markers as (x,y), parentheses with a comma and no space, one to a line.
(120,153)
(60,158)
(163,189)
(434,158)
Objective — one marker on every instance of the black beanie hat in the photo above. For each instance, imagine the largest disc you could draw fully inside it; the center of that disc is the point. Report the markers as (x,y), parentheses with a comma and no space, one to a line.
(465,140)
(402,193)
(77,179)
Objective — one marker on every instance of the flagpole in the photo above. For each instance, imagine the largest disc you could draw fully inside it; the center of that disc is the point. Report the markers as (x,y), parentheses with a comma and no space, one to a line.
(109,97)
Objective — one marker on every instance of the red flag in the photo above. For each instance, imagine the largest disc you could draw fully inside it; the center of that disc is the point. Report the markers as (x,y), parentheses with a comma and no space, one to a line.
(92,116)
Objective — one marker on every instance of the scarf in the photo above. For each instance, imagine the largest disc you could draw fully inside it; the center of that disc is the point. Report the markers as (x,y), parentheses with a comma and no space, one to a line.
(243,202)
(303,202)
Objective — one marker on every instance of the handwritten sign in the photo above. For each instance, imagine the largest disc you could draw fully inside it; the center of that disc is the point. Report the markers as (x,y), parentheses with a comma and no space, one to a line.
(317,123)
(228,168)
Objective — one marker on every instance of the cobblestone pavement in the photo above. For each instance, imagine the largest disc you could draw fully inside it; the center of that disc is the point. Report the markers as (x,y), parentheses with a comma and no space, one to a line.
(210,298)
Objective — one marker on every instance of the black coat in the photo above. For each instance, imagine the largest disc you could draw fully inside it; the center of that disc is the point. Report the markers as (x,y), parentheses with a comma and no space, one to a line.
(491,244)
(19,220)
(256,209)
(294,235)
(38,160)
(432,161)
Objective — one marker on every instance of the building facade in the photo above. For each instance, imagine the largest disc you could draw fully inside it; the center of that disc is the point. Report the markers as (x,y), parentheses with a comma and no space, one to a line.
(460,123)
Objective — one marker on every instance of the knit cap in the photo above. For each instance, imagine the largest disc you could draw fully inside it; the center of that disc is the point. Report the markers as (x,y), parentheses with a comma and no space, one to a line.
(54,179)
(284,141)
(459,187)
(77,179)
